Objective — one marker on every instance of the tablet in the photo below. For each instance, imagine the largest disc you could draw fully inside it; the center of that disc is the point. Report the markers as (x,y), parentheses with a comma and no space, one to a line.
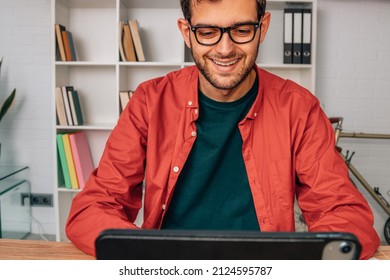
(140,244)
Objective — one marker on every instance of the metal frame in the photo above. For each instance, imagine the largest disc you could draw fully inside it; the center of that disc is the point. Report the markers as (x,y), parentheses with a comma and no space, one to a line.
(373,191)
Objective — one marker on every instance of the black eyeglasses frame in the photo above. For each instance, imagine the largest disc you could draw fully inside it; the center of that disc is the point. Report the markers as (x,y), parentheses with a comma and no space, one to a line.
(223,30)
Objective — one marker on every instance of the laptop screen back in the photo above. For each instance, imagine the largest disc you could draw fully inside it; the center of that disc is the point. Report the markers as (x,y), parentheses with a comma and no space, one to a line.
(116,244)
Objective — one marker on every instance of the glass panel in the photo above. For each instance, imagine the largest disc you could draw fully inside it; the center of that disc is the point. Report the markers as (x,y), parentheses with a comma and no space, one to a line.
(15,209)
(8,170)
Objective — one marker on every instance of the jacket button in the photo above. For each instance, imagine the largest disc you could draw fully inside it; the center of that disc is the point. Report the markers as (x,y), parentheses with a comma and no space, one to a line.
(176,169)
(189,103)
(193,133)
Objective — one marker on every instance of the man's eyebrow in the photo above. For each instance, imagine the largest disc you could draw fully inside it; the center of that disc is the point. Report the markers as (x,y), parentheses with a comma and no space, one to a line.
(245,22)
(234,24)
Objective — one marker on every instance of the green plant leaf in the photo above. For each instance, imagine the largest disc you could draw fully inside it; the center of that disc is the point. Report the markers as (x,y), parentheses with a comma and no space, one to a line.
(7,104)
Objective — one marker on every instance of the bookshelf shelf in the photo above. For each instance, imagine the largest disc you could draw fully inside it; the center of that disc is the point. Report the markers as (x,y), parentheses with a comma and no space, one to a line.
(151,64)
(99,75)
(64,190)
(84,63)
(102,127)
(287,66)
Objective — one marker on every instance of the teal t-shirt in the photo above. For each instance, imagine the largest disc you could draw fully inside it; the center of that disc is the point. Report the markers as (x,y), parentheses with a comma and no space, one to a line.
(212,191)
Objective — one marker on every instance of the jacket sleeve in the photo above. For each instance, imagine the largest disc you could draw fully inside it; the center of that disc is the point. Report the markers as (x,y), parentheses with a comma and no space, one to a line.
(328,199)
(112,195)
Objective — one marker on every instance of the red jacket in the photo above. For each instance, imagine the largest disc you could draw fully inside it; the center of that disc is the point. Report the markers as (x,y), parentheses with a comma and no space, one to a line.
(288,150)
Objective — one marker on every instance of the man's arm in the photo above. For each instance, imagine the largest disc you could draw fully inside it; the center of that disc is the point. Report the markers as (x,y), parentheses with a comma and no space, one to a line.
(328,199)
(112,195)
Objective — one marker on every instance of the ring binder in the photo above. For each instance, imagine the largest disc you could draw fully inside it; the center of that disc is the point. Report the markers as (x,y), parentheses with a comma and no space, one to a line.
(306,37)
(288,36)
(297,36)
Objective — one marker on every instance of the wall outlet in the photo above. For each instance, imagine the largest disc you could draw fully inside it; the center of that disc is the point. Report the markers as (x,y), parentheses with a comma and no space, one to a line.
(39,199)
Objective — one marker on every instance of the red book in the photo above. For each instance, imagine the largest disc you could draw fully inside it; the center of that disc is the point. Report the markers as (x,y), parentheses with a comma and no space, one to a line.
(82,156)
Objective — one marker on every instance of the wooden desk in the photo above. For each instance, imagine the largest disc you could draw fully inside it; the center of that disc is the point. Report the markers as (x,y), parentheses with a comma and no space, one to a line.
(383,253)
(47,250)
(11,249)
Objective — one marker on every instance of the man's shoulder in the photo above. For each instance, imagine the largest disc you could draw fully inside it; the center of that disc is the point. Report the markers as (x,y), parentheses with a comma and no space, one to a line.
(178,77)
(275,86)
(175,88)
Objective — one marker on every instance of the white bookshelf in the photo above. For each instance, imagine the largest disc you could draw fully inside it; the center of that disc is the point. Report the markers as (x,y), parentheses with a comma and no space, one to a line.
(99,75)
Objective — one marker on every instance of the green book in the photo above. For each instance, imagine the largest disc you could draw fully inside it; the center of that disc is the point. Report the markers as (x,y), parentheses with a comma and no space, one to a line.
(64,165)
(76,107)
(60,174)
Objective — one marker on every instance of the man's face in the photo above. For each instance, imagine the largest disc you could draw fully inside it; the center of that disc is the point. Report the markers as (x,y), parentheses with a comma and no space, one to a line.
(225,65)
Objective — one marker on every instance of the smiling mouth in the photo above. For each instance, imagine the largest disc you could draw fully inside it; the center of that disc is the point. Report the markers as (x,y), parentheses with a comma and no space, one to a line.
(230,63)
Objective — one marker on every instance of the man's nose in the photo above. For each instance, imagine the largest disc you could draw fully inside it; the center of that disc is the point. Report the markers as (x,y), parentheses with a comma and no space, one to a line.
(225,45)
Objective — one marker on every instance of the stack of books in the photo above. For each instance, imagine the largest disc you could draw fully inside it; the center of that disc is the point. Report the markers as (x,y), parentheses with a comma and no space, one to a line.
(130,45)
(65,47)
(74,159)
(68,106)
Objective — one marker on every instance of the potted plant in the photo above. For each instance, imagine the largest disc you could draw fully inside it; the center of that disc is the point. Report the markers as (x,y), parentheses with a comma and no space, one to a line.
(7,103)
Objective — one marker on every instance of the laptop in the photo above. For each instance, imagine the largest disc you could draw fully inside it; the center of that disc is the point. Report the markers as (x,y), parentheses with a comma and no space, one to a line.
(142,244)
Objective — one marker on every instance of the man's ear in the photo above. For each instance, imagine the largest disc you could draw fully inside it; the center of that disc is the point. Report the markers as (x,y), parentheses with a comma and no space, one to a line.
(185,31)
(264,25)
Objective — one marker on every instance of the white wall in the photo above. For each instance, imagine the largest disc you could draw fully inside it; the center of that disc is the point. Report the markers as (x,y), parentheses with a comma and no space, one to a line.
(26,130)
(353,80)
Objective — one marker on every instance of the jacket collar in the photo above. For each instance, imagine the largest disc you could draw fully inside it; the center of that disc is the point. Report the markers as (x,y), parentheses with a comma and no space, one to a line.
(193,86)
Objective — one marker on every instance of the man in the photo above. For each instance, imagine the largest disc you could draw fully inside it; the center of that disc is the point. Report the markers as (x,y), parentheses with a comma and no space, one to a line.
(223,145)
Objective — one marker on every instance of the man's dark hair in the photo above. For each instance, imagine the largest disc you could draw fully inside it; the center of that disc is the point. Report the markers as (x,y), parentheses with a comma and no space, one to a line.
(186,7)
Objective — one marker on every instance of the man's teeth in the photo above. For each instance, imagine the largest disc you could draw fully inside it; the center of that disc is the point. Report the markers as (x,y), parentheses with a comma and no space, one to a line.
(225,64)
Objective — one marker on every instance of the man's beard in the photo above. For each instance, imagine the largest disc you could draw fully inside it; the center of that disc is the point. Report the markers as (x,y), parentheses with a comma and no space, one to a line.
(214,80)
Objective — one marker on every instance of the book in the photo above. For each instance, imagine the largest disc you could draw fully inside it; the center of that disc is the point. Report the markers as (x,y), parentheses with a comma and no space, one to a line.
(62,158)
(58,30)
(72,108)
(72,46)
(128,43)
(81,156)
(64,90)
(70,161)
(60,107)
(122,56)
(77,115)
(306,36)
(137,40)
(60,174)
(124,97)
(65,39)
(69,47)
(58,55)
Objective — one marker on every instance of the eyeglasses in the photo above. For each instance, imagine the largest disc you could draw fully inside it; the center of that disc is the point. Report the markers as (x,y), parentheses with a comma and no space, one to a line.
(241,33)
